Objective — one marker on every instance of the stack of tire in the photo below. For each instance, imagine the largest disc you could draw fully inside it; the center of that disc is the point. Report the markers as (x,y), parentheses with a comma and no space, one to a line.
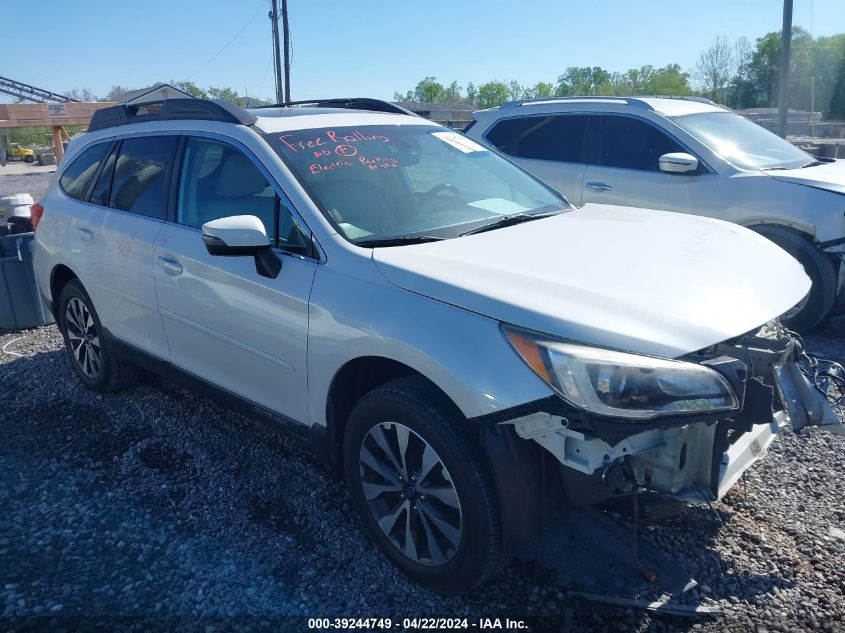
(16,214)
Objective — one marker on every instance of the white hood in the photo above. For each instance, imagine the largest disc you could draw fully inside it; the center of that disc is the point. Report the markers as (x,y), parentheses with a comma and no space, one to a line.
(829,176)
(643,281)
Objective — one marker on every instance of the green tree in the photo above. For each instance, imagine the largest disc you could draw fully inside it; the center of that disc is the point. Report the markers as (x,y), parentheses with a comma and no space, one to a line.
(226,93)
(453,92)
(828,58)
(764,68)
(115,92)
(540,90)
(429,91)
(515,90)
(583,80)
(636,80)
(81,94)
(742,91)
(472,93)
(492,94)
(801,69)
(715,68)
(191,88)
(669,80)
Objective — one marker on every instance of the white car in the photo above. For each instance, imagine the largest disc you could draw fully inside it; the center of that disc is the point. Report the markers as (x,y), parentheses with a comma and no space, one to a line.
(690,156)
(434,322)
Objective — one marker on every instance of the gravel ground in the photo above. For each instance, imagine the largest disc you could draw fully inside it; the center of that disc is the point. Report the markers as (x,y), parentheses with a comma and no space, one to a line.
(154,508)
(34,183)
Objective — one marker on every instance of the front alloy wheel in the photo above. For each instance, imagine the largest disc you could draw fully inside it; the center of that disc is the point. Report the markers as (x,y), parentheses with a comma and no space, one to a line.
(82,337)
(410,493)
(422,486)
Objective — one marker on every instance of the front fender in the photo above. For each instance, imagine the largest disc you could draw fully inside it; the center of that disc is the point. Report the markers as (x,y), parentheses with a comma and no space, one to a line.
(463,353)
(754,199)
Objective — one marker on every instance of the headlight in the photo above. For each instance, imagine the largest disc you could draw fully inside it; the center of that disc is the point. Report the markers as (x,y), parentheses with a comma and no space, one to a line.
(610,383)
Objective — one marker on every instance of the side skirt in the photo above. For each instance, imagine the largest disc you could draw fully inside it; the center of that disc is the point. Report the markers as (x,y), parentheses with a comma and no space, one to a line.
(314,438)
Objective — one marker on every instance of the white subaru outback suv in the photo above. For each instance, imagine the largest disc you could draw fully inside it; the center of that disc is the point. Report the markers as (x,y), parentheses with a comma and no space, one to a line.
(438,325)
(691,156)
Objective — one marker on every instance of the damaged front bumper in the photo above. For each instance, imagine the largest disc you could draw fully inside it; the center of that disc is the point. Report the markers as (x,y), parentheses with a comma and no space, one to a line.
(691,459)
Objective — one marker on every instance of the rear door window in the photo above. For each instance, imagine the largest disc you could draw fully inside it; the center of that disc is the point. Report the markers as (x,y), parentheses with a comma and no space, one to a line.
(77,178)
(141,173)
(102,188)
(629,143)
(558,137)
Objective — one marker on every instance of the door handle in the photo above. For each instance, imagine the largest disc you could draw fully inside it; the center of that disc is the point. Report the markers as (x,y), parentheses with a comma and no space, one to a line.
(85,235)
(171,266)
(598,186)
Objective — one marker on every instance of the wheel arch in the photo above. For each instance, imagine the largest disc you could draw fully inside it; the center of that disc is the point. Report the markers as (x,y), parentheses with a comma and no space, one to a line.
(823,271)
(521,470)
(352,381)
(59,278)
(806,229)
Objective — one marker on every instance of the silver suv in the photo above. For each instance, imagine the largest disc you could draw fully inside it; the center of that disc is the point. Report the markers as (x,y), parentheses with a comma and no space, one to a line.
(690,156)
(434,322)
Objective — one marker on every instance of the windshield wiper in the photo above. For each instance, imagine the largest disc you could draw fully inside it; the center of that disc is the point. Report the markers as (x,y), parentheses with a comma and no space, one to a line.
(398,240)
(814,163)
(510,220)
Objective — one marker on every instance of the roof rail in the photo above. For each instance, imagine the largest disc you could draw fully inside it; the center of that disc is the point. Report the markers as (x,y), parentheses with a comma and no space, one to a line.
(171,110)
(633,100)
(354,103)
(681,97)
(537,100)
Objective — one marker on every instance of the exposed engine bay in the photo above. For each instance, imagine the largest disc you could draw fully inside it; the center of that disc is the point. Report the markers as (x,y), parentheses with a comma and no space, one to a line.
(698,458)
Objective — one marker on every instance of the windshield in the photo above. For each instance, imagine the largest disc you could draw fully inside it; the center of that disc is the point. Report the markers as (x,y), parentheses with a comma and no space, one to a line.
(377,182)
(742,142)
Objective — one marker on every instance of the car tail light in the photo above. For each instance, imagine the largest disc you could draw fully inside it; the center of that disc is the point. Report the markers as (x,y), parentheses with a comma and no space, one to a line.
(37,210)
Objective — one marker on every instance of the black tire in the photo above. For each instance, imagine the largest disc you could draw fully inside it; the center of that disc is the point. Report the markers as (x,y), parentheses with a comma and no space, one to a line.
(418,406)
(110,375)
(29,159)
(819,268)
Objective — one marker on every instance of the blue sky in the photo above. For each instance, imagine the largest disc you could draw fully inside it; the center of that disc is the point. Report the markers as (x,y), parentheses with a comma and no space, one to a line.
(372,47)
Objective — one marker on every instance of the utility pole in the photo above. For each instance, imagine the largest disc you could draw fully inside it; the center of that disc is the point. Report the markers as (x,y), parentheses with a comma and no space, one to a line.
(286,35)
(277,63)
(783,87)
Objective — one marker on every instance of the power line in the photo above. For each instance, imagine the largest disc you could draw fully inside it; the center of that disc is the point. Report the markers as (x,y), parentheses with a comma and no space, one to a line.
(264,79)
(229,43)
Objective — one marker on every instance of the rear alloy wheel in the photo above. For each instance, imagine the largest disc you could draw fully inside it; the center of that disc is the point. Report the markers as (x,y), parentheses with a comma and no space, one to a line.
(85,345)
(87,348)
(418,478)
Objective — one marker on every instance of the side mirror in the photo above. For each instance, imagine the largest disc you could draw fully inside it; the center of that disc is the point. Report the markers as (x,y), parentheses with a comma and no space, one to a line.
(242,236)
(678,163)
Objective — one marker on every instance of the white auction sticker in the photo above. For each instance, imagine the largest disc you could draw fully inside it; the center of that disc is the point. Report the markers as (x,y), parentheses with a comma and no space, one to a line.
(459,142)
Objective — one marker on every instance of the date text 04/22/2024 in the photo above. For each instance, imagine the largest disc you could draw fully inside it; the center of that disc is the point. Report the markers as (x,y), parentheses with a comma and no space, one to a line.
(417,624)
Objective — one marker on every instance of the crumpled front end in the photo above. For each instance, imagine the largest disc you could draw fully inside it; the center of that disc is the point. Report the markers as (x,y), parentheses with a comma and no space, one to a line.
(696,458)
